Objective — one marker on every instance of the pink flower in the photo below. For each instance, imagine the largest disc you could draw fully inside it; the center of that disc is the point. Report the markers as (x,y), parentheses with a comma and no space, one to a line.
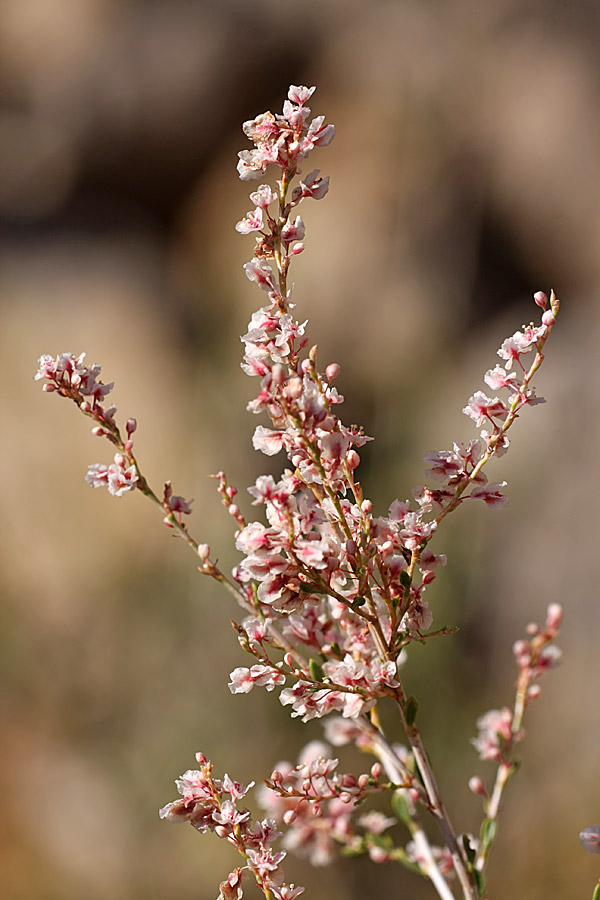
(259,271)
(252,222)
(299,94)
(481,408)
(263,196)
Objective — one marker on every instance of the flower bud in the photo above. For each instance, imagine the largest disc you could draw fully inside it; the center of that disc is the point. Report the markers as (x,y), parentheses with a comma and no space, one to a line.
(554,616)
(541,299)
(278,374)
(353,459)
(234,510)
(297,248)
(130,426)
(203,551)
(52,387)
(332,371)
(590,839)
(376,770)
(289,816)
(476,786)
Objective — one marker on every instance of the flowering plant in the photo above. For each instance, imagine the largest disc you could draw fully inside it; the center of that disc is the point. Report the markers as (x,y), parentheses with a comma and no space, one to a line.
(333,595)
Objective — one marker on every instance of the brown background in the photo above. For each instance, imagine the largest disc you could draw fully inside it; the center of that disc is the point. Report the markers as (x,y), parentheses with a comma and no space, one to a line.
(464,177)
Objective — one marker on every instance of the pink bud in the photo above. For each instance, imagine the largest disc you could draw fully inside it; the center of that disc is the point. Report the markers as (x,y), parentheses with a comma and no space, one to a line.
(332,371)
(278,373)
(366,506)
(231,491)
(130,426)
(376,770)
(289,816)
(128,446)
(348,781)
(201,759)
(297,248)
(276,776)
(476,786)
(98,431)
(86,406)
(234,510)
(534,692)
(590,839)
(363,781)
(378,855)
(203,551)
(221,831)
(541,299)
(353,460)
(48,388)
(554,616)
(345,797)
(548,319)
(294,388)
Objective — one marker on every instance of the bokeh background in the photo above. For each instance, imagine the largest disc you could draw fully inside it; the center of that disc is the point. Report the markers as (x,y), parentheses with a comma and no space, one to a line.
(465,176)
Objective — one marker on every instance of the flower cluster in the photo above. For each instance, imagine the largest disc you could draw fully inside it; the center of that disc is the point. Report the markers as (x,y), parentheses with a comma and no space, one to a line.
(317,803)
(211,804)
(500,730)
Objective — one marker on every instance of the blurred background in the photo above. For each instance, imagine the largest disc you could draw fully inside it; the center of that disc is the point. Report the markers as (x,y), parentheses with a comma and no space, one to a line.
(464,177)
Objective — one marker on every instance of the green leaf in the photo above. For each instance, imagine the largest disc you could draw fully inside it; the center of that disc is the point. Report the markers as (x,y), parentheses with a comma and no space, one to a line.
(489,830)
(405,579)
(479,882)
(596,894)
(335,649)
(400,808)
(469,849)
(410,711)
(316,672)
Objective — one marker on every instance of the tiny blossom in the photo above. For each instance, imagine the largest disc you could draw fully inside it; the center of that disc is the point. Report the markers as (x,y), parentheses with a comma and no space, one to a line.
(116,477)
(263,196)
(242,680)
(481,408)
(589,839)
(253,221)
(495,731)
(376,822)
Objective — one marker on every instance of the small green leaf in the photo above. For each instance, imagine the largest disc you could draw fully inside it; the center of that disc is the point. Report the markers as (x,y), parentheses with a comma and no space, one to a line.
(596,894)
(316,672)
(469,849)
(354,850)
(335,649)
(489,830)
(309,588)
(479,882)
(400,856)
(410,711)
(405,579)
(400,808)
